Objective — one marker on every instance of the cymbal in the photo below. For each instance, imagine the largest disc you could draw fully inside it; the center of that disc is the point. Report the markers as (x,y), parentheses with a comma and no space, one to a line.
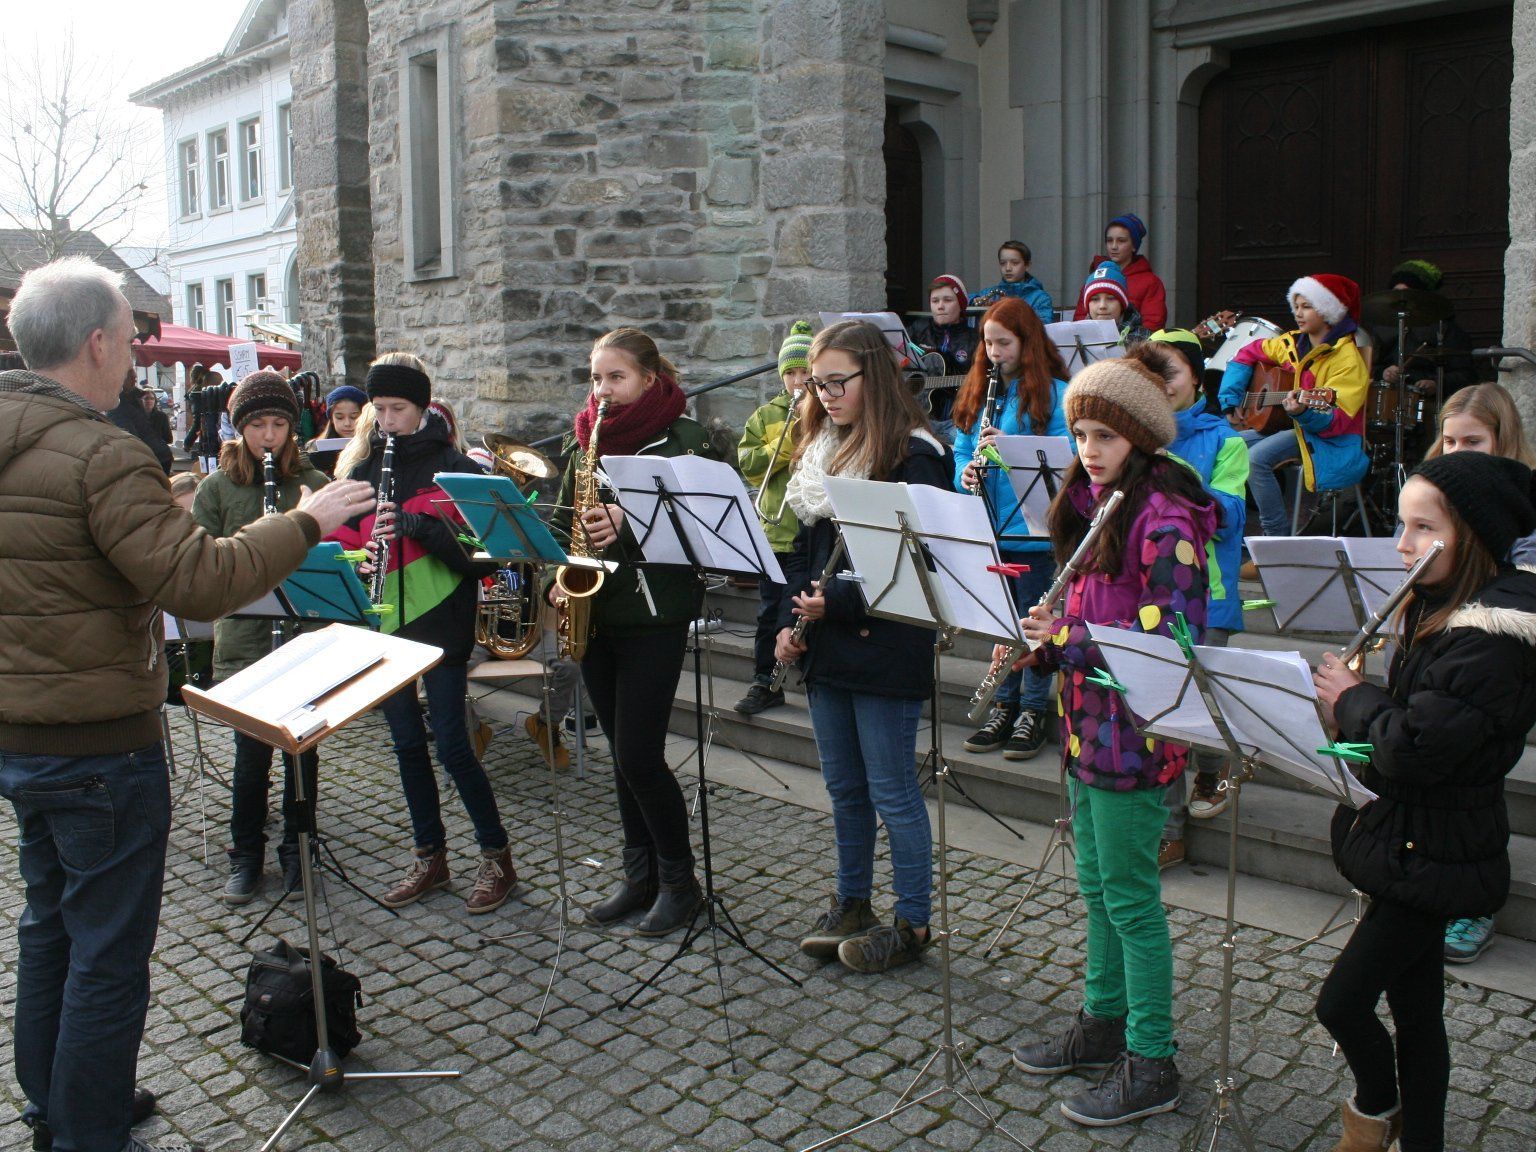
(1383,308)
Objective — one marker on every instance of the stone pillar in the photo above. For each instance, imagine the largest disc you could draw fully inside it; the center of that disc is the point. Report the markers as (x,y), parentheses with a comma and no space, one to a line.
(1520,259)
(329,43)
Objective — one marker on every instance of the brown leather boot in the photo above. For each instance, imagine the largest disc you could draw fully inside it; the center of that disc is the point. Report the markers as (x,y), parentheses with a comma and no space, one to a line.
(493,883)
(1364,1133)
(428,872)
(548,741)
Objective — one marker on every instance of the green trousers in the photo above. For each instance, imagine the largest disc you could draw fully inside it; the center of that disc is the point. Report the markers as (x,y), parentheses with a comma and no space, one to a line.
(1130,957)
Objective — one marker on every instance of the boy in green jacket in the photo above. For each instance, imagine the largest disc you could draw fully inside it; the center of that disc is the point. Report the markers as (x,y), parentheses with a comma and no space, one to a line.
(763,456)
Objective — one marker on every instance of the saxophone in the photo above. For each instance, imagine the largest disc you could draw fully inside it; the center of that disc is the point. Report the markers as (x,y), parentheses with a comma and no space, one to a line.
(577,584)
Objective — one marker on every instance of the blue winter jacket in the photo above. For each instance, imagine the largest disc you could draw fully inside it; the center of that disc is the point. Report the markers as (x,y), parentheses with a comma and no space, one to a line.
(1029,290)
(1011,530)
(1212,447)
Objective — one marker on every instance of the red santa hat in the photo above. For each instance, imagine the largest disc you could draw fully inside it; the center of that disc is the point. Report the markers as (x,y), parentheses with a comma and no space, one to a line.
(1334,297)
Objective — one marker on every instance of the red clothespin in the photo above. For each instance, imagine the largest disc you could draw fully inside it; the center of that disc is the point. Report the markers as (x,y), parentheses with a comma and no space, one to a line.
(1008,569)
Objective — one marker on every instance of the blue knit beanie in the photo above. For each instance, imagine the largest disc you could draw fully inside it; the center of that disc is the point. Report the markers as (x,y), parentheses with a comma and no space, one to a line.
(345,392)
(1132,224)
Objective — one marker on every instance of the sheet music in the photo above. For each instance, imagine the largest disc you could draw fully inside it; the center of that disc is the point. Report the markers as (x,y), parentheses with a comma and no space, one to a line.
(1022,455)
(975,601)
(888,322)
(474,494)
(1302,575)
(866,512)
(278,688)
(1266,698)
(1085,342)
(331,443)
(1378,568)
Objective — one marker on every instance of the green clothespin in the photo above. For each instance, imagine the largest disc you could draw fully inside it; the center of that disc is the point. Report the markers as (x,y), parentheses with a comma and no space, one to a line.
(471,542)
(1179,630)
(1257,605)
(1355,753)
(991,453)
(355,557)
(1101,678)
(533,497)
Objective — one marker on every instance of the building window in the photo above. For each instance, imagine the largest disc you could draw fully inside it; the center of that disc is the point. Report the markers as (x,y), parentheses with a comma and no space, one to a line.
(284,147)
(197,317)
(190,181)
(256,294)
(427,156)
(218,169)
(224,300)
(250,160)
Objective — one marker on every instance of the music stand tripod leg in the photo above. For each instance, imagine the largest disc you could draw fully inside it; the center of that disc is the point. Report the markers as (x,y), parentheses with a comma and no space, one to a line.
(1060,841)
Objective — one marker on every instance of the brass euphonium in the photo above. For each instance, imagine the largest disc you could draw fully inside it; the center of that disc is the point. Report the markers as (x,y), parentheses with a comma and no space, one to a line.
(578,583)
(507,624)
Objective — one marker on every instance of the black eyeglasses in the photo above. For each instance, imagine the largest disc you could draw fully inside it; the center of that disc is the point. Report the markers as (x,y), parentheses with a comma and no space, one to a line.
(834,388)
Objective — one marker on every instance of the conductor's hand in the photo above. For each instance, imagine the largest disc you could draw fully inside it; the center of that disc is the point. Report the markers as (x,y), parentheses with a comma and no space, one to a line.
(1038,625)
(785,648)
(602,524)
(336,503)
(812,605)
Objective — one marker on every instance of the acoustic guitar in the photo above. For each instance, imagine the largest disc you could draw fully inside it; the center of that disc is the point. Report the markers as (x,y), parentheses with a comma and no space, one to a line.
(1261,407)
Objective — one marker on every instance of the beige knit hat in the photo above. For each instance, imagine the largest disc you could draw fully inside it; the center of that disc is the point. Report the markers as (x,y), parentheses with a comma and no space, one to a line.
(1128,397)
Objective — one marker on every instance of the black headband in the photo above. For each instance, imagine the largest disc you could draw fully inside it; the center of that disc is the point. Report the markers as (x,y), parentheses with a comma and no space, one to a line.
(399,380)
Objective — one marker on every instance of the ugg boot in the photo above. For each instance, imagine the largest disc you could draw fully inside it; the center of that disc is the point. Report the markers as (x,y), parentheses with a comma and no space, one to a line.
(1364,1133)
(635,891)
(677,899)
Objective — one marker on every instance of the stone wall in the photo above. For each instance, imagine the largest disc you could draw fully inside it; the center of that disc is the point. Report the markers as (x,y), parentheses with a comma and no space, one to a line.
(707,171)
(1520,259)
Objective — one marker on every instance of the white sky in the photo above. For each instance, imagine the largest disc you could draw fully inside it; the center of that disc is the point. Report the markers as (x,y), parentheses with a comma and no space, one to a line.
(133,45)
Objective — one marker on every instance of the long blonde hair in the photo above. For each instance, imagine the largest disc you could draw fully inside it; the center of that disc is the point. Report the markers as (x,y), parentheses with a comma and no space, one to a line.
(877,442)
(1492,406)
(358,449)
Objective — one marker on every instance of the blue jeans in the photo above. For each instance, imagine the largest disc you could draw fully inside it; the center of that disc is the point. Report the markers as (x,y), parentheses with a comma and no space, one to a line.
(868,750)
(1027,590)
(446,686)
(93,832)
(1265,454)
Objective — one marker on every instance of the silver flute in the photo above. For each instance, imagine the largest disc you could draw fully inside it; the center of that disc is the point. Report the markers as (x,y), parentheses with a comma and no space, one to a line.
(1379,617)
(981,699)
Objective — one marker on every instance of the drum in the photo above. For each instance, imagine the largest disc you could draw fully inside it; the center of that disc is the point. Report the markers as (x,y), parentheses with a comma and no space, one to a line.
(1245,331)
(1383,400)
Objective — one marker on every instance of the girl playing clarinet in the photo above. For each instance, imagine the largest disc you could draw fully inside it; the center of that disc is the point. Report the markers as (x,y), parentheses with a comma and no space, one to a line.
(1147,569)
(866,678)
(431,591)
(265,415)
(1443,734)
(639,630)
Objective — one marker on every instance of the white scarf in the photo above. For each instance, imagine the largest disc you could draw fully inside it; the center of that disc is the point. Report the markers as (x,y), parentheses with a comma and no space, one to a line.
(807,489)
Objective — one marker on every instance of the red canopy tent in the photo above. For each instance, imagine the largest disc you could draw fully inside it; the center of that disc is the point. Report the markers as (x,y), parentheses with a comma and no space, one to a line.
(179,345)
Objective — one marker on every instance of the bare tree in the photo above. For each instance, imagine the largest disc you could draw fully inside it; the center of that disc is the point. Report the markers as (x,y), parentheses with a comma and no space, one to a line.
(71,159)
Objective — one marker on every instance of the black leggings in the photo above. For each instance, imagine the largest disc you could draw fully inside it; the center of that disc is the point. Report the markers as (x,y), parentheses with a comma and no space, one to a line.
(632,681)
(1400,952)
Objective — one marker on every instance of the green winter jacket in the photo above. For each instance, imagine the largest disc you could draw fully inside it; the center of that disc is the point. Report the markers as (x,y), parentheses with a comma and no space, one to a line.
(222,508)
(620,607)
(756,459)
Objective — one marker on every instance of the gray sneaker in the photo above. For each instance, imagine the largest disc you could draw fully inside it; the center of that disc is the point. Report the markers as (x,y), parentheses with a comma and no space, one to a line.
(136,1145)
(1088,1043)
(1134,1087)
(243,883)
(843,920)
(883,948)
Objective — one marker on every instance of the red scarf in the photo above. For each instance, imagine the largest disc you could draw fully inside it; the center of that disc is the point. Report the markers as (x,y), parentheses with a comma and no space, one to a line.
(628,428)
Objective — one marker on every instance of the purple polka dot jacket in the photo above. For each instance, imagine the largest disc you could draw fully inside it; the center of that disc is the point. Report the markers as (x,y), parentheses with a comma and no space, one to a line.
(1162,574)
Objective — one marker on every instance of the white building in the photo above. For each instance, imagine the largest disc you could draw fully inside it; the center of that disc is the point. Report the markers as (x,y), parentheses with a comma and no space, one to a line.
(229,155)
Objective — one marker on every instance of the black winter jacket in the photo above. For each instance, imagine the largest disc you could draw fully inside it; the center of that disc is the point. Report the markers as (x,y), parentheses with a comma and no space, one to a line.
(1444,734)
(848,648)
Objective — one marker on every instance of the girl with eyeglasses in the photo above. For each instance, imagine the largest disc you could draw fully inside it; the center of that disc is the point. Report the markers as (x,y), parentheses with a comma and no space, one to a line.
(866,678)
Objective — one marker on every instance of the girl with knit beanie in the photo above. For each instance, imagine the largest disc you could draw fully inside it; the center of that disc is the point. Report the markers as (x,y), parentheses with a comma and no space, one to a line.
(265,414)
(640,620)
(1106,296)
(343,405)
(1123,238)
(865,678)
(1147,570)
(432,590)
(1444,733)
(764,457)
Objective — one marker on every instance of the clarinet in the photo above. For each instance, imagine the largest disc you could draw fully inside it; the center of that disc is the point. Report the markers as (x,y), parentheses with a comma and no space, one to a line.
(1356,649)
(981,699)
(269,508)
(984,421)
(797,634)
(386,493)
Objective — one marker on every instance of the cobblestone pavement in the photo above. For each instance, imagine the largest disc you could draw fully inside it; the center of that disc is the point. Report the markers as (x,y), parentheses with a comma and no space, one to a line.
(809,1061)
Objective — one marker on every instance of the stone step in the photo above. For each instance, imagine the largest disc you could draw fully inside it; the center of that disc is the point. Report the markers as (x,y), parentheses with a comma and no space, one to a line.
(1282,834)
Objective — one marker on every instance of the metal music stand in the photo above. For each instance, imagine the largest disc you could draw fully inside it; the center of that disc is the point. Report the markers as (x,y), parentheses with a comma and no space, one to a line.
(401,663)
(686,514)
(949,601)
(1224,700)
(508,531)
(203,765)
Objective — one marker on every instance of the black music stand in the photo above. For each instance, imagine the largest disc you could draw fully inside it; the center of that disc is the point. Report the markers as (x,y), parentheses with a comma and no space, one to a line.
(929,579)
(1258,708)
(701,529)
